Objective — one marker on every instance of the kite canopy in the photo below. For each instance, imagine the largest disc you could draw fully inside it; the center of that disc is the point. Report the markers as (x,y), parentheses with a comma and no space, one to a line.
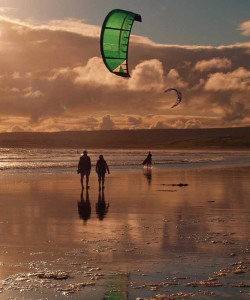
(115,36)
(179,96)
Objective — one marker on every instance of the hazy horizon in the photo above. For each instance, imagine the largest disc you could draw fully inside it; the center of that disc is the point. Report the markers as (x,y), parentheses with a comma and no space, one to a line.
(132,129)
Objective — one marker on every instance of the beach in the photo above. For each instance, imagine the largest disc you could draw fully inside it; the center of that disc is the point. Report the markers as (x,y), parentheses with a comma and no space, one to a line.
(176,231)
(154,95)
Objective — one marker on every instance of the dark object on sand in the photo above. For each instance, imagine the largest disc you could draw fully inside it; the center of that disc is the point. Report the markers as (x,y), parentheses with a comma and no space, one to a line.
(60,275)
(180,184)
(176,184)
(167,191)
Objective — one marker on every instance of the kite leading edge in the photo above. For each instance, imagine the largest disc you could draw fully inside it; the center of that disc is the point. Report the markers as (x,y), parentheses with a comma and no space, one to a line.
(114,40)
(179,96)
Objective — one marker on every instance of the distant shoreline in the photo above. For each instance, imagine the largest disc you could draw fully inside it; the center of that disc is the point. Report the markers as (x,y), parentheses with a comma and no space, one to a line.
(173,139)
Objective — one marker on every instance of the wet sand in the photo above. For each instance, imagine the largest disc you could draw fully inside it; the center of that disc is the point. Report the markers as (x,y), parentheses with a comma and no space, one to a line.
(145,237)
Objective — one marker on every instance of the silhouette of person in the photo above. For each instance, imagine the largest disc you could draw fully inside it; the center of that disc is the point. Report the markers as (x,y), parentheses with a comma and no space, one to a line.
(148,160)
(84,168)
(101,207)
(101,168)
(84,207)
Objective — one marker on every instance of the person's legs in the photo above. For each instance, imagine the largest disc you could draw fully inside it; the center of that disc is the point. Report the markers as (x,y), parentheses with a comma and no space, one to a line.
(81,180)
(99,180)
(103,179)
(87,180)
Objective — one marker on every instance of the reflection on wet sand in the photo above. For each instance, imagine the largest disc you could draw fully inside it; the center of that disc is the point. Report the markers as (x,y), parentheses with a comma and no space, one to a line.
(148,174)
(84,207)
(146,229)
(175,215)
(117,287)
(101,206)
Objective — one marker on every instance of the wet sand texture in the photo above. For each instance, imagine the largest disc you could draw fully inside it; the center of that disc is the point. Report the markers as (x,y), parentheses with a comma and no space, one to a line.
(189,244)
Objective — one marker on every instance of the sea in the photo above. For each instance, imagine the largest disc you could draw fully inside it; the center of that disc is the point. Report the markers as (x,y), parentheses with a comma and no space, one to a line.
(66,160)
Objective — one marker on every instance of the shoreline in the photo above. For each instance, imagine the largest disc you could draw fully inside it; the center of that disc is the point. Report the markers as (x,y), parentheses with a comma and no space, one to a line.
(131,168)
(66,160)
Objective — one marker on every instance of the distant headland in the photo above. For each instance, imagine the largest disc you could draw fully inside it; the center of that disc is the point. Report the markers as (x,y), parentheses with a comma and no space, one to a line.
(214,138)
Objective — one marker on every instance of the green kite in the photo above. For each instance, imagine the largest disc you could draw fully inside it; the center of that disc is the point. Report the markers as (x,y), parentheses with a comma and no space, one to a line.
(114,41)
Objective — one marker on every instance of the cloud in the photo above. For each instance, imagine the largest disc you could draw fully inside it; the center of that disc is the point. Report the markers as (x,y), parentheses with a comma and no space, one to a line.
(236,80)
(161,125)
(147,75)
(134,120)
(52,77)
(180,123)
(17,128)
(74,26)
(174,79)
(245,28)
(30,93)
(91,123)
(4,10)
(107,123)
(237,111)
(95,73)
(193,123)
(214,63)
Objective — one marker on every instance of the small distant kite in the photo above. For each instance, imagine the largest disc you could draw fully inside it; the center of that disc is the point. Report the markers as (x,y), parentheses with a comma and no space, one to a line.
(179,96)
(114,40)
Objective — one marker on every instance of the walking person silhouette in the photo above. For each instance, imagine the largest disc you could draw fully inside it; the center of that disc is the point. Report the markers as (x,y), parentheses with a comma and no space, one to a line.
(84,168)
(101,168)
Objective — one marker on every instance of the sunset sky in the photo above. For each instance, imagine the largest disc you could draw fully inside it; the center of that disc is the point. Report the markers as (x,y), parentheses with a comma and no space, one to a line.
(52,77)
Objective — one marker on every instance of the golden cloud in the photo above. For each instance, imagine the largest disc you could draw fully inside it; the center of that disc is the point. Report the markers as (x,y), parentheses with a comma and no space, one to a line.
(147,76)
(214,63)
(245,28)
(52,77)
(238,80)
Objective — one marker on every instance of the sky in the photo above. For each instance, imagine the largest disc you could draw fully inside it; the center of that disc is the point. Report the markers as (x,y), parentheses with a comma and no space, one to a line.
(52,77)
